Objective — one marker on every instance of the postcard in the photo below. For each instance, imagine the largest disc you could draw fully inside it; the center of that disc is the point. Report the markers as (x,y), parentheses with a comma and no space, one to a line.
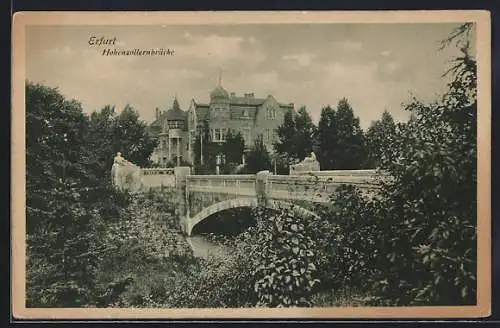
(243,165)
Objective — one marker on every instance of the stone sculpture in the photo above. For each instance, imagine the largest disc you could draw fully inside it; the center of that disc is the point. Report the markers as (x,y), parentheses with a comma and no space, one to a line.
(309,164)
(125,175)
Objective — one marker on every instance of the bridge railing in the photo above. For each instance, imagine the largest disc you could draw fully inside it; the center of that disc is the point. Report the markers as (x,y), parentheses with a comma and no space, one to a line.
(238,184)
(157,177)
(340,173)
(158,171)
(317,187)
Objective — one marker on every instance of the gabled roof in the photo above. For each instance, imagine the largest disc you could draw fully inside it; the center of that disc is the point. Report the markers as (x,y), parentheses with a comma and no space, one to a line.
(176,113)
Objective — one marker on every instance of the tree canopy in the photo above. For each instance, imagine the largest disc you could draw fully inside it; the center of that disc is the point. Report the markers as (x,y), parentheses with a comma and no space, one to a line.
(295,135)
(339,141)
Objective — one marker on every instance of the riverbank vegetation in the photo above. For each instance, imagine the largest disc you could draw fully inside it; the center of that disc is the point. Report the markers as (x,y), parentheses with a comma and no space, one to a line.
(89,245)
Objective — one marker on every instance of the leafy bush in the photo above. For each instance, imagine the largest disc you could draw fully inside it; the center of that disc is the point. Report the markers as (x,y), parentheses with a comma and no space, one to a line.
(284,259)
(205,282)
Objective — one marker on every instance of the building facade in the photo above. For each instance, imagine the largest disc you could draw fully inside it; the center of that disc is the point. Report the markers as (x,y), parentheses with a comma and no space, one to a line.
(176,129)
(171,129)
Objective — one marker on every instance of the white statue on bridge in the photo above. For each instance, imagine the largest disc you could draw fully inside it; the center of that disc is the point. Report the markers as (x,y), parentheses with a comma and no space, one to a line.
(310,158)
(125,175)
(308,164)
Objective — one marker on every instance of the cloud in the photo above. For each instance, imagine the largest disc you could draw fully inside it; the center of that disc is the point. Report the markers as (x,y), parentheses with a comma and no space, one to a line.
(303,59)
(393,66)
(219,49)
(339,70)
(386,53)
(348,45)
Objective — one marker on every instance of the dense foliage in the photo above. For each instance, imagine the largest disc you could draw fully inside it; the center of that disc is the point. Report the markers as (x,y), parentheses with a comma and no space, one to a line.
(125,132)
(69,200)
(284,260)
(379,137)
(295,135)
(258,158)
(206,151)
(340,143)
(415,243)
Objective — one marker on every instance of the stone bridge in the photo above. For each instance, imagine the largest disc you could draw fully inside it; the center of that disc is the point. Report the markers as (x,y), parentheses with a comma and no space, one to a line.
(200,196)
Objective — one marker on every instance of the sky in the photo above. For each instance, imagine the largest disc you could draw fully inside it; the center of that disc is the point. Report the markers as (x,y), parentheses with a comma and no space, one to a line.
(376,67)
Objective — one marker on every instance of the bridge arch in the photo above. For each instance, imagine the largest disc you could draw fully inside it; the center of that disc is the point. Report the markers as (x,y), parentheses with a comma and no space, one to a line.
(242,202)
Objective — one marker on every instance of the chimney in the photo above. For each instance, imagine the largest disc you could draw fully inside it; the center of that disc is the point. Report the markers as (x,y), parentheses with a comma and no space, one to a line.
(157,113)
(233,94)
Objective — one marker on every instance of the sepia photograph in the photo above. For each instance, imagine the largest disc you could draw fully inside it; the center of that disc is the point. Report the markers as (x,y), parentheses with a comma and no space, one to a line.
(238,164)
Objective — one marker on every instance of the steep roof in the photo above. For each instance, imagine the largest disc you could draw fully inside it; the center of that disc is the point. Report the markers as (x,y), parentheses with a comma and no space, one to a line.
(156,127)
(219,92)
(202,111)
(176,113)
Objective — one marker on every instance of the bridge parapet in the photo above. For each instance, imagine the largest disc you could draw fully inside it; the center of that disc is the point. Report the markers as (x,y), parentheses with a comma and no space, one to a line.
(238,184)
(318,187)
(199,196)
(368,174)
(158,177)
(158,171)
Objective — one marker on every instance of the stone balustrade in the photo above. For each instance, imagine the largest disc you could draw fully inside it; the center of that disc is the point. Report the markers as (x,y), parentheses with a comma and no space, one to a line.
(158,177)
(236,184)
(201,195)
(158,171)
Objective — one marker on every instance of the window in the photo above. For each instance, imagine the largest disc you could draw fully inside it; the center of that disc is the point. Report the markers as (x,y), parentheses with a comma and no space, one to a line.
(267,135)
(175,125)
(271,113)
(218,108)
(220,159)
(219,134)
(245,113)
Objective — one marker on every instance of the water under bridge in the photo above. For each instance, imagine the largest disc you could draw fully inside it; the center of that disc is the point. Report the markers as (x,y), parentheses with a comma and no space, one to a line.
(200,196)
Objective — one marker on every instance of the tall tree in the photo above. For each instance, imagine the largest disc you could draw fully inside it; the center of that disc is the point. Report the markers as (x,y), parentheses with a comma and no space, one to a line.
(131,137)
(305,133)
(295,135)
(101,138)
(339,139)
(61,217)
(55,147)
(351,149)
(380,137)
(232,151)
(258,158)
(286,133)
(325,139)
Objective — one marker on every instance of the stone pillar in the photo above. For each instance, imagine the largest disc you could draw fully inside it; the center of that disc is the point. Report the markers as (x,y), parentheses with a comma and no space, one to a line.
(178,152)
(261,187)
(181,172)
(169,150)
